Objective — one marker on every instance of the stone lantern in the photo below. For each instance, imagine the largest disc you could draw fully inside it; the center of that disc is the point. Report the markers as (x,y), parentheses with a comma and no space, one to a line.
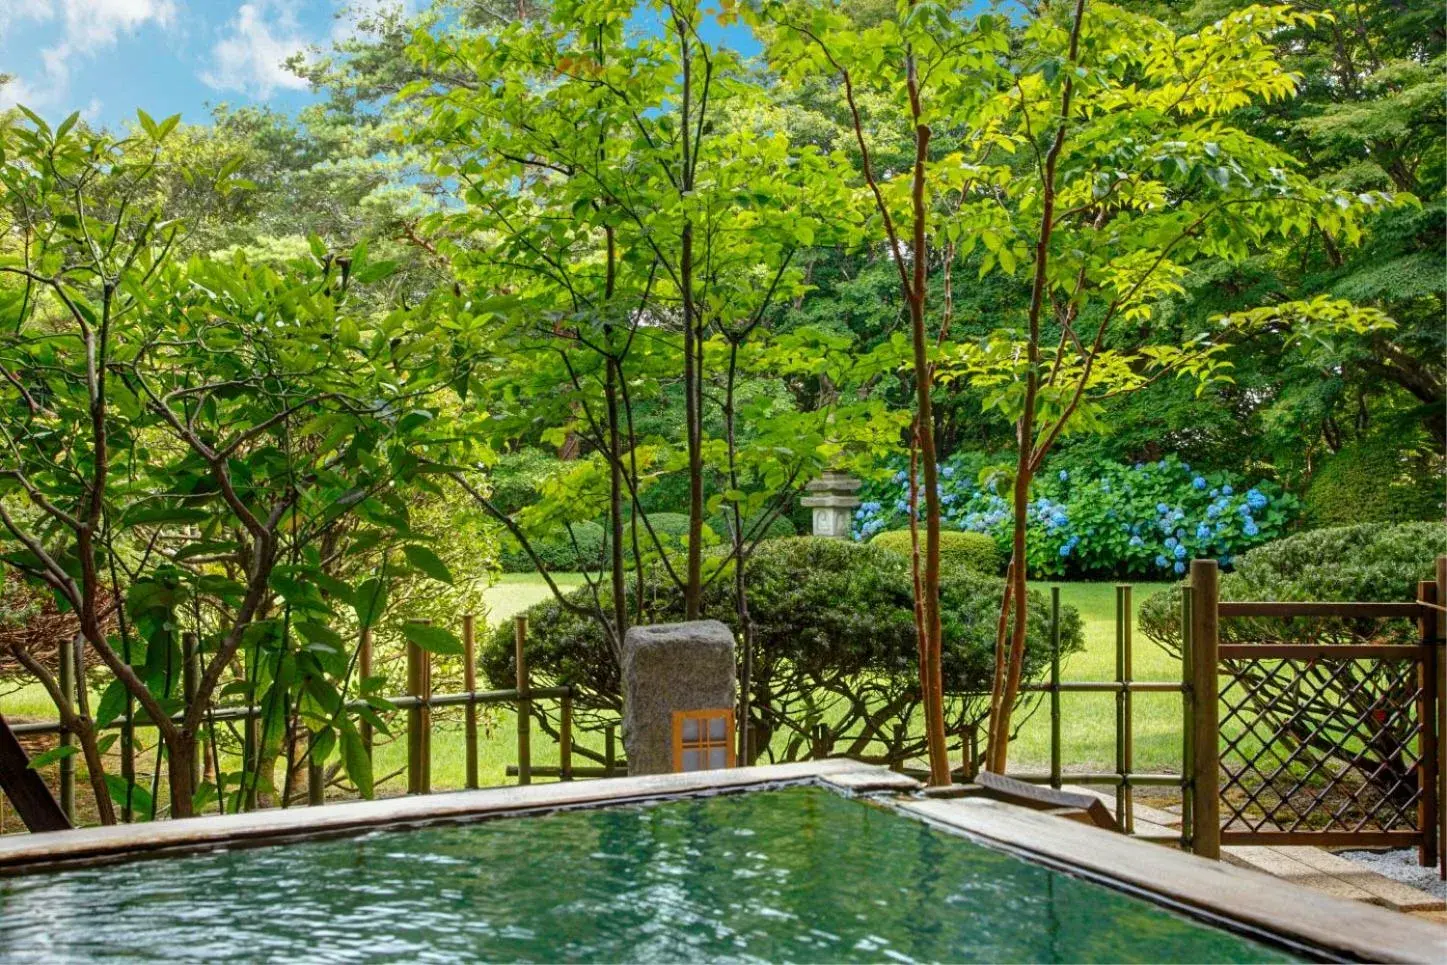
(832,498)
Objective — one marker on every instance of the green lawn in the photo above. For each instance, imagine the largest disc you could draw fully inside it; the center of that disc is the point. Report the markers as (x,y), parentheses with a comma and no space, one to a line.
(1088,719)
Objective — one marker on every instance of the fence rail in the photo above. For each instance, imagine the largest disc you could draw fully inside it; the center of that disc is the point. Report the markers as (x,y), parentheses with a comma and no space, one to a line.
(417,704)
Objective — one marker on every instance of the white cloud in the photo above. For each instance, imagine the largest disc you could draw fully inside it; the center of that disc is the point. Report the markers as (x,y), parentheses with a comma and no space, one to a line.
(87,27)
(17,91)
(250,57)
(92,24)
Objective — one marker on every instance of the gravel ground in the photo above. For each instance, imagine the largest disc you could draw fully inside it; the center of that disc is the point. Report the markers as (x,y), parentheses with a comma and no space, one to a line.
(1400,865)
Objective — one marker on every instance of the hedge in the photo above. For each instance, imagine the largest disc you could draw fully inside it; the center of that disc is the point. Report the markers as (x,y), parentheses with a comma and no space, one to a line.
(973,551)
(1369,483)
(558,551)
(834,647)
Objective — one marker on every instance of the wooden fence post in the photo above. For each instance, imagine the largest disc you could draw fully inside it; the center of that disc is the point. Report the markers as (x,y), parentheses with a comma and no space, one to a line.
(968,739)
(1055,755)
(1188,730)
(67,764)
(1428,778)
(1206,738)
(469,683)
(419,719)
(1441,718)
(525,762)
(1124,716)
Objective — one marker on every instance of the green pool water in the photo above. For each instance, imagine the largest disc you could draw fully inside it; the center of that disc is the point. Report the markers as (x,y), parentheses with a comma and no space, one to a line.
(798,874)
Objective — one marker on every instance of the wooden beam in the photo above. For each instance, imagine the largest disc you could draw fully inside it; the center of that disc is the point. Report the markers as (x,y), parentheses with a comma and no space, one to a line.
(1049,799)
(1305,608)
(1324,651)
(25,788)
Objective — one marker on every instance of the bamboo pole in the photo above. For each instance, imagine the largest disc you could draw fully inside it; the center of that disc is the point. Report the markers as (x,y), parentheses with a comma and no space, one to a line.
(419,719)
(565,739)
(67,763)
(1125,738)
(469,684)
(1428,779)
(1055,755)
(316,791)
(1205,640)
(364,670)
(972,752)
(525,763)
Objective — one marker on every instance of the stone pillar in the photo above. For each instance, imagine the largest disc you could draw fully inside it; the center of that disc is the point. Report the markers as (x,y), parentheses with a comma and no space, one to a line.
(670,667)
(833,502)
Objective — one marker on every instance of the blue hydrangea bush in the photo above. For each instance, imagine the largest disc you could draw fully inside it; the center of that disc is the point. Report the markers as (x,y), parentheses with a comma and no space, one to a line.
(1146,520)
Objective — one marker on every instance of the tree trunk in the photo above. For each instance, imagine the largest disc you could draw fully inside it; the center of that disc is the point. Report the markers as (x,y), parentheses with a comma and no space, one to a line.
(181,753)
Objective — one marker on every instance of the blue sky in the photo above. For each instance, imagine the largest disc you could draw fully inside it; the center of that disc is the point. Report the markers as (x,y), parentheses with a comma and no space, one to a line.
(108,57)
(105,58)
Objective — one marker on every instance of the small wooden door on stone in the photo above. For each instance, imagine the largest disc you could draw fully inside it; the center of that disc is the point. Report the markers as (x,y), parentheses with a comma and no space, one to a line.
(703,740)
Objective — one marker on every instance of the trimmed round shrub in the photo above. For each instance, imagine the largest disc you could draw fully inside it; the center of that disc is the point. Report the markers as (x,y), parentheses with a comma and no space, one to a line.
(1369,483)
(1370,562)
(673,525)
(835,666)
(780,527)
(973,551)
(559,552)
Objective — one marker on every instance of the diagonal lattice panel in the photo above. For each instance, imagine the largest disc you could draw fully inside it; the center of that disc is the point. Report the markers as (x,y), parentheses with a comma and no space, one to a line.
(1325,743)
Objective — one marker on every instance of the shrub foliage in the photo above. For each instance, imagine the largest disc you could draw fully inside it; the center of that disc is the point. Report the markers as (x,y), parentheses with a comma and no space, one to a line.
(835,660)
(1145,519)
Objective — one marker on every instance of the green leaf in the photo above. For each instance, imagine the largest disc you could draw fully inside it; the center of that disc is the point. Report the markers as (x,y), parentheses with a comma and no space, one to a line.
(147,124)
(356,760)
(66,125)
(140,797)
(112,703)
(433,639)
(428,562)
(338,589)
(374,271)
(370,602)
(58,753)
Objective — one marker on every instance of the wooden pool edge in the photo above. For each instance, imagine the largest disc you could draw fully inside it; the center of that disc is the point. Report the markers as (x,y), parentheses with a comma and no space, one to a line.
(51,850)
(1251,902)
